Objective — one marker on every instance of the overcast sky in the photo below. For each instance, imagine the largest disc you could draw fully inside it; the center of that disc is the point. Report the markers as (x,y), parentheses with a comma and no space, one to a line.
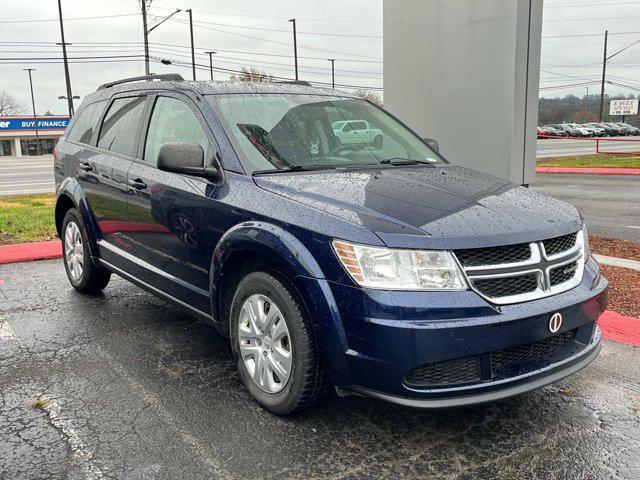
(252,32)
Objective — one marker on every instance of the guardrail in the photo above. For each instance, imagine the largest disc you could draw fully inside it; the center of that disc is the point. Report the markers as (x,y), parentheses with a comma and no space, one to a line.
(601,143)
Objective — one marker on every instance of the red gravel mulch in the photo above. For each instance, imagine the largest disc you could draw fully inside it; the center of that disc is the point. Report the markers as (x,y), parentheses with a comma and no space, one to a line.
(624,290)
(614,247)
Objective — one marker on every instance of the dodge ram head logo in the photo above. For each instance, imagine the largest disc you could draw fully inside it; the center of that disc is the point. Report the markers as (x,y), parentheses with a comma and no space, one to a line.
(555,322)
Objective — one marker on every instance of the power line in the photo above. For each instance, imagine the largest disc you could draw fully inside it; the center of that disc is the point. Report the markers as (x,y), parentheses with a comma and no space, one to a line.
(101,17)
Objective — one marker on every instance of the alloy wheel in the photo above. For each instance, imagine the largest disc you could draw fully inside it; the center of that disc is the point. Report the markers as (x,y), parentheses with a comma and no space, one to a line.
(265,343)
(73,250)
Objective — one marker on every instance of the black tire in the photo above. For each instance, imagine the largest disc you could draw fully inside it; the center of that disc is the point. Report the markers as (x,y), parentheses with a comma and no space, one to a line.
(378,142)
(308,382)
(93,279)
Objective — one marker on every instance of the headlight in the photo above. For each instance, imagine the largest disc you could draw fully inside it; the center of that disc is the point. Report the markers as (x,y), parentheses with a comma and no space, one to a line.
(394,269)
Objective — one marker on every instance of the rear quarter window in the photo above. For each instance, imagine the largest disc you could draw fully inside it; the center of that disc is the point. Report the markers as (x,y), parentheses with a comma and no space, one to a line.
(86,123)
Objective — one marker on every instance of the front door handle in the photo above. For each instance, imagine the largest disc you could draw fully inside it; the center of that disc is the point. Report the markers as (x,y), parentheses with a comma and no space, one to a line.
(85,166)
(138,184)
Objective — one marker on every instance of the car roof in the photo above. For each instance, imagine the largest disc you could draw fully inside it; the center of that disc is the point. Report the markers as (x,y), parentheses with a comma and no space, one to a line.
(215,88)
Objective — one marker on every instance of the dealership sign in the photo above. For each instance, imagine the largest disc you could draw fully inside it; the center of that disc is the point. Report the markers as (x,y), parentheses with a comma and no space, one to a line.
(52,123)
(623,107)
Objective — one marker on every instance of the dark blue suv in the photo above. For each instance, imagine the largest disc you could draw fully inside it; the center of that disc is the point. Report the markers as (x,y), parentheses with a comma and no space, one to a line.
(331,244)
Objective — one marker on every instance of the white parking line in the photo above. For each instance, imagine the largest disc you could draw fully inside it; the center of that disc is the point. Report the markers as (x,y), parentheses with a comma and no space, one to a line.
(631,226)
(77,446)
(6,332)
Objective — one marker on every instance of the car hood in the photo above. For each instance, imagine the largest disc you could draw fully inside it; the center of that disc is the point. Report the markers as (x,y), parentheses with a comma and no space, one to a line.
(429,206)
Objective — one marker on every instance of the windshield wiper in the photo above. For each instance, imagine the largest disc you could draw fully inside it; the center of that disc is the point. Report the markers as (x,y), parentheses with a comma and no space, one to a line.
(404,161)
(296,168)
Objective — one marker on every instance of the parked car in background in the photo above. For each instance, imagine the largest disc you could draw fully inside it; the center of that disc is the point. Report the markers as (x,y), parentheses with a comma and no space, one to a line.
(584,132)
(357,132)
(629,129)
(608,131)
(567,129)
(386,272)
(554,132)
(619,131)
(597,131)
(543,132)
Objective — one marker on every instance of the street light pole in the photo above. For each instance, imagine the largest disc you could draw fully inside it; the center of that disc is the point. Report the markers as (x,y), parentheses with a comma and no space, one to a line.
(66,62)
(295,46)
(333,72)
(33,104)
(193,52)
(211,52)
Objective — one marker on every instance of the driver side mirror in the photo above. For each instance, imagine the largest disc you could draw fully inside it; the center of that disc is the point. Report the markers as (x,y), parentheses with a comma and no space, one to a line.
(187,158)
(432,143)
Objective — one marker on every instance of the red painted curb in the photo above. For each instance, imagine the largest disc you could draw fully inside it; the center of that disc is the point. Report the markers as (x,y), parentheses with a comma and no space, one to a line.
(26,252)
(620,329)
(590,170)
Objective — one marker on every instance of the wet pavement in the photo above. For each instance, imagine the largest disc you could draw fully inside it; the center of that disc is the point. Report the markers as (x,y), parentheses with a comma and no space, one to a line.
(127,386)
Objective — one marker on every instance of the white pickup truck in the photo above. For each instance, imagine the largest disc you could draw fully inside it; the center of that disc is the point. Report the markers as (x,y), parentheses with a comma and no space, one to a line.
(351,132)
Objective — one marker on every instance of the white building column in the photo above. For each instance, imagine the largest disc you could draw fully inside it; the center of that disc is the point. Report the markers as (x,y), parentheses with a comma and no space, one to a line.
(466,72)
(17,149)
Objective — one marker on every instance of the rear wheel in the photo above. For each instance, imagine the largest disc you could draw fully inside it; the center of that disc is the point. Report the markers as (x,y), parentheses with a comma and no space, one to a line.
(83,274)
(274,345)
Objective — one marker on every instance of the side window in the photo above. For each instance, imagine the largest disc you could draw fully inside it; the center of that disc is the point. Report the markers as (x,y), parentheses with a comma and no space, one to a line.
(82,130)
(348,127)
(172,121)
(359,126)
(120,125)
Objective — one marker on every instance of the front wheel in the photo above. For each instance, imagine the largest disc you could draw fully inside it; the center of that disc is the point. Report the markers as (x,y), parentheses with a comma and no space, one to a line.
(83,274)
(274,346)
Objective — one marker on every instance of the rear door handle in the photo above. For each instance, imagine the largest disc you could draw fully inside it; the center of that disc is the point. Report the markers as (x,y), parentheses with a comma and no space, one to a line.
(138,184)
(85,166)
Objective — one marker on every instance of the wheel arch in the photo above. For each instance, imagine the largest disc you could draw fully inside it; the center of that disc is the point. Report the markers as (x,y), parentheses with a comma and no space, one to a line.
(71,195)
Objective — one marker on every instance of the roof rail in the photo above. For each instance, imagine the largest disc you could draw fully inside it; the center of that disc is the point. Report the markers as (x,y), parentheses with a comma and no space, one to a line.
(304,83)
(169,77)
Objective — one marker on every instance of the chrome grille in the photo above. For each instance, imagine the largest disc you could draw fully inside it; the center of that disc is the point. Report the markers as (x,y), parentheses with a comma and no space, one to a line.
(550,267)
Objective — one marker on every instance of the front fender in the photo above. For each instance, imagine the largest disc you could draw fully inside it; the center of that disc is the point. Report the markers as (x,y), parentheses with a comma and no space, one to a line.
(296,261)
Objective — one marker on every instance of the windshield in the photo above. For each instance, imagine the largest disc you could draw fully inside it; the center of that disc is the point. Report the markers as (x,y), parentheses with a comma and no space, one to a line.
(281,131)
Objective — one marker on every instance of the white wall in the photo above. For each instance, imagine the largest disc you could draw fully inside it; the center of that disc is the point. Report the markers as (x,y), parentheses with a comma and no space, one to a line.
(465,72)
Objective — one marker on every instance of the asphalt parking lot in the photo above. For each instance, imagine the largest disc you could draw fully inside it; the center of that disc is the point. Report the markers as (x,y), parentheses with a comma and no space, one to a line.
(610,204)
(130,387)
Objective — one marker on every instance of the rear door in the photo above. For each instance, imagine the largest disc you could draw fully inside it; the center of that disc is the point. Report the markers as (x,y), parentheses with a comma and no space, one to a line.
(167,211)
(106,173)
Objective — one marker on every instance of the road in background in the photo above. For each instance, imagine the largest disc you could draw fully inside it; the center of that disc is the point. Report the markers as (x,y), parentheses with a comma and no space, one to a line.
(562,147)
(131,387)
(20,175)
(610,204)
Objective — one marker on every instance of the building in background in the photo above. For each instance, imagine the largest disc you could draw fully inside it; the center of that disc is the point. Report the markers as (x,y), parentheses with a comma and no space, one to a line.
(466,73)
(18,134)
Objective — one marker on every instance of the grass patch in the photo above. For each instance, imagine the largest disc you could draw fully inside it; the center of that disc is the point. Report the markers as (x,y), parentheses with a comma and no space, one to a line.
(616,161)
(27,218)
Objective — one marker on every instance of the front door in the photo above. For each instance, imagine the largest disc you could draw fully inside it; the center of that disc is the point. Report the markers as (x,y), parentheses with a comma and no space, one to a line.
(167,224)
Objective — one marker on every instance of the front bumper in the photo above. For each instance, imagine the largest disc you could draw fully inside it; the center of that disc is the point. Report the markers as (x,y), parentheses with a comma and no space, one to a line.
(390,334)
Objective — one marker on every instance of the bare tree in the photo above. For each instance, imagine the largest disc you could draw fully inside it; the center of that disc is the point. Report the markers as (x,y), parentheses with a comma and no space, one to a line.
(251,74)
(9,105)
(369,96)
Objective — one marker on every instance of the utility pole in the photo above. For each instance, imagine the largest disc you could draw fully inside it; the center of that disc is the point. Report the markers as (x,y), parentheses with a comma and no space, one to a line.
(66,62)
(33,104)
(211,52)
(604,73)
(333,72)
(193,52)
(295,46)
(145,31)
